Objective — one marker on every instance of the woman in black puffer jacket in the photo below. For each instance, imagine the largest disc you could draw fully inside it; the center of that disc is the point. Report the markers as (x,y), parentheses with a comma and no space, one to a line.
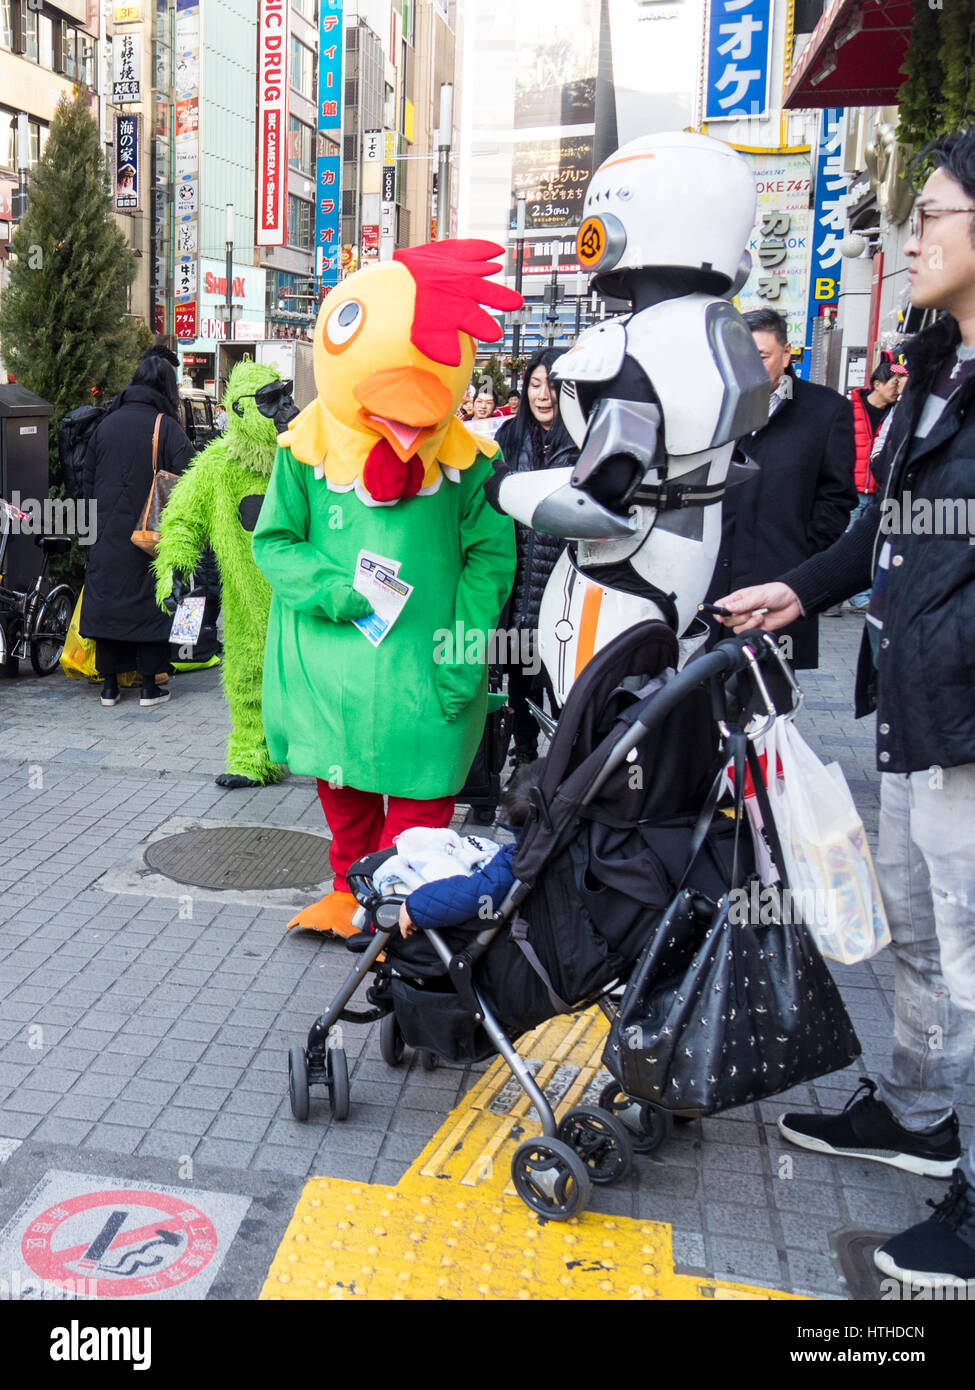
(534,438)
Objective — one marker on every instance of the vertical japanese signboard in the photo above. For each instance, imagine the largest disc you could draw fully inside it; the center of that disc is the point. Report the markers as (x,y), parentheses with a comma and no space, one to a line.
(779,243)
(328,166)
(273,29)
(829,222)
(159,171)
(126,69)
(387,206)
(739,59)
(186,143)
(127,187)
(370,197)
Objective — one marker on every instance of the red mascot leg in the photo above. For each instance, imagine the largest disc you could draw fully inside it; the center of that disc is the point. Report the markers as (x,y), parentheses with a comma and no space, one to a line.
(404,813)
(355,819)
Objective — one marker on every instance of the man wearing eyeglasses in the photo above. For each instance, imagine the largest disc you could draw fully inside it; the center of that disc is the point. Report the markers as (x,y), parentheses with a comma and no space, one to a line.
(916,544)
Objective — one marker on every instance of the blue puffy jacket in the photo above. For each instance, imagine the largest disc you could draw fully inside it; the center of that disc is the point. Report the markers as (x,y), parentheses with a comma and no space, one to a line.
(449,902)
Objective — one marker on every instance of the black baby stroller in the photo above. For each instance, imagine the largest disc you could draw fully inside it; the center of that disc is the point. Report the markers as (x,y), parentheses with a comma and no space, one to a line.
(627,797)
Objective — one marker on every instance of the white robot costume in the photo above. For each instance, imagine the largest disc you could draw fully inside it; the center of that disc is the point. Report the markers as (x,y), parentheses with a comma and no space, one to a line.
(655,401)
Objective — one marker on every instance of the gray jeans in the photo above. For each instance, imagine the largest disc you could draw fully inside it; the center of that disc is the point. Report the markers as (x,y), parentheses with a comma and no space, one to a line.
(926,868)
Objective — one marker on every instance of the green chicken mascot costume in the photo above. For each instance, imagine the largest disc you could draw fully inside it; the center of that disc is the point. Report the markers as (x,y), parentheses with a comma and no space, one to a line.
(378,472)
(218,499)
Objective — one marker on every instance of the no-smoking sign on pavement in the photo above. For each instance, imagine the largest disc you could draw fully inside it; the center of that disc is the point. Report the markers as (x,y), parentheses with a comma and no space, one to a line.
(82,1236)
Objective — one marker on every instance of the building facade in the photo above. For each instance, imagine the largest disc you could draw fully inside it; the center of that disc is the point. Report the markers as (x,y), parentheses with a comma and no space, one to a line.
(181,90)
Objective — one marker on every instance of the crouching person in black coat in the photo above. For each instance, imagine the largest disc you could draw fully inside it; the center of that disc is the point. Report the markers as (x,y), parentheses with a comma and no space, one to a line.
(800,501)
(119,606)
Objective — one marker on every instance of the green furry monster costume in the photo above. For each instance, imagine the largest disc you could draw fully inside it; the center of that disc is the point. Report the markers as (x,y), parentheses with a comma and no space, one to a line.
(218,499)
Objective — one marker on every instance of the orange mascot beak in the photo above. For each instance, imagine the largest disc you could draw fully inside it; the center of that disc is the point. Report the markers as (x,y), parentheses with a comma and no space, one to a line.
(403,404)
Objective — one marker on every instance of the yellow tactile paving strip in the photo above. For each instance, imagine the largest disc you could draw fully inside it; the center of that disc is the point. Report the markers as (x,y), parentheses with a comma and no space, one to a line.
(453,1226)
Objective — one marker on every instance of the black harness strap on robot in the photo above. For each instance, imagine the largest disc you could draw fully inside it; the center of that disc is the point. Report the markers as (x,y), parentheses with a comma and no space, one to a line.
(669,497)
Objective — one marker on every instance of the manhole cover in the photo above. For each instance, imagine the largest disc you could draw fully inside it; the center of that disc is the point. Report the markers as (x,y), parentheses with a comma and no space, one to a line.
(242,857)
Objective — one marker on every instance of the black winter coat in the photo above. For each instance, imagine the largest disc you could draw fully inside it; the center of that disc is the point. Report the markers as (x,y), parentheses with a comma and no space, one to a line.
(119,602)
(537,552)
(923,685)
(799,503)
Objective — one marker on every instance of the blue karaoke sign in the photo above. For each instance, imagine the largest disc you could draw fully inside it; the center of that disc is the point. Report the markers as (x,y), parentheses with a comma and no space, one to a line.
(739,59)
(328,167)
(829,220)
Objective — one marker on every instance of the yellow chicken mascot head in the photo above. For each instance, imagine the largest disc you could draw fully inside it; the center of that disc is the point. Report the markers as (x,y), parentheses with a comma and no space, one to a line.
(394,350)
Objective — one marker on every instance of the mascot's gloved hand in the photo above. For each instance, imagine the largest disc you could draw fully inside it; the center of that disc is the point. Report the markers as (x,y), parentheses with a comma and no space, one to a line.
(171,589)
(342,603)
(456,684)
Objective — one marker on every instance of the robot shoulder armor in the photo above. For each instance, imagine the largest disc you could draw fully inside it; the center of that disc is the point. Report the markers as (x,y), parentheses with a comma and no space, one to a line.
(705,369)
(596,355)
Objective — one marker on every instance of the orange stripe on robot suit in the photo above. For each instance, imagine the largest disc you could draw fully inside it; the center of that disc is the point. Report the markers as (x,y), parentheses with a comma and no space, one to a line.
(587,626)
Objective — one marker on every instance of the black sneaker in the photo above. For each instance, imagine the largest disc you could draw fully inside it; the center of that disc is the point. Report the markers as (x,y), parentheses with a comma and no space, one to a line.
(110,692)
(865,1128)
(938,1252)
(152,695)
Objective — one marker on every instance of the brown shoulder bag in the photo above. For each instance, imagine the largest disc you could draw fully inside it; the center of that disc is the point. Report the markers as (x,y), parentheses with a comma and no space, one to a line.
(146,534)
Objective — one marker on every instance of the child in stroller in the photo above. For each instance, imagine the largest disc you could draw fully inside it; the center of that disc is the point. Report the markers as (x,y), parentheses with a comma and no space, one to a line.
(450,902)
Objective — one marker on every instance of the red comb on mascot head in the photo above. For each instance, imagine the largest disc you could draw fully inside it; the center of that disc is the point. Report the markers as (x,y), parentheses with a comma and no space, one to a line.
(379,463)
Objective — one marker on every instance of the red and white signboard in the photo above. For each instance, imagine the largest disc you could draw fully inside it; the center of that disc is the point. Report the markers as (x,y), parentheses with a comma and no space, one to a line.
(185,319)
(273,44)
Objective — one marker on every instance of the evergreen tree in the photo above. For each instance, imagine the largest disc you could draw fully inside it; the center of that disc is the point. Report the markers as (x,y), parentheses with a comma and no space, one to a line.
(64,332)
(492,372)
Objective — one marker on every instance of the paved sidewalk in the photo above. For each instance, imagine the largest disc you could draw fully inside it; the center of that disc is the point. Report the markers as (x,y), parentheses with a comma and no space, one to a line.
(144,1034)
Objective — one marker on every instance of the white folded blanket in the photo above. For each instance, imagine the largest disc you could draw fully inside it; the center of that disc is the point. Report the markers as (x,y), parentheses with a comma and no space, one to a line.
(423,855)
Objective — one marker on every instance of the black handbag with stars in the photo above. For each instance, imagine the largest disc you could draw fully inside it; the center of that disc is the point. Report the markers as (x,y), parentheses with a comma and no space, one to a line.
(728,1003)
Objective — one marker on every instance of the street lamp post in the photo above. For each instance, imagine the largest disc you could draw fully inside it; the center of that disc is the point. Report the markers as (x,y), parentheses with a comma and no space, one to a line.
(551,327)
(580,291)
(19,200)
(519,273)
(443,167)
(230,272)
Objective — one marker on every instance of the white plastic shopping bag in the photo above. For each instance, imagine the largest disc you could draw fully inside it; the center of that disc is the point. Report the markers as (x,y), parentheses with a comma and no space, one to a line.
(827,858)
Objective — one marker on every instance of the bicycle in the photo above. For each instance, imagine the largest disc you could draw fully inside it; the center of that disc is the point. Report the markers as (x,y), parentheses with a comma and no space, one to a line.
(34,622)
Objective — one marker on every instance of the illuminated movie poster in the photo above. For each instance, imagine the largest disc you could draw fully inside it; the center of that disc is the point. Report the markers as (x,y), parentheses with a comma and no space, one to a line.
(553,174)
(555,68)
(554,116)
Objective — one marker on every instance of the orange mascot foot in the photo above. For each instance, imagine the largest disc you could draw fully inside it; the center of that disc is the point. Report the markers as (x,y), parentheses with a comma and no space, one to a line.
(332,915)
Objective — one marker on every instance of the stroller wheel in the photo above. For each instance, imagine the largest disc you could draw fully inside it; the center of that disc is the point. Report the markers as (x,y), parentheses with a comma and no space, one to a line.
(551,1178)
(428,1060)
(601,1140)
(391,1044)
(648,1125)
(337,1075)
(298,1082)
